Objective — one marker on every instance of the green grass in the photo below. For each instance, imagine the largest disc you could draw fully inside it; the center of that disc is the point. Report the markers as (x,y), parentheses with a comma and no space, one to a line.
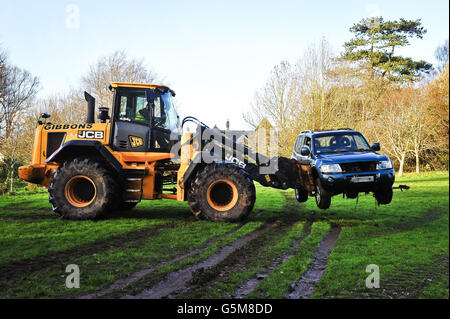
(24,238)
(100,269)
(223,279)
(407,239)
(277,283)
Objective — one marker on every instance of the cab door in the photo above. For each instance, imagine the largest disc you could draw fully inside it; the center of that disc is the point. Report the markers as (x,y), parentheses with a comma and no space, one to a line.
(131,131)
(165,123)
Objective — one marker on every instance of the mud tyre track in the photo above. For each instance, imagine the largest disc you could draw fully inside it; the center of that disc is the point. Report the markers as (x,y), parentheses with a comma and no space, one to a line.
(19,268)
(303,288)
(123,282)
(179,282)
(251,284)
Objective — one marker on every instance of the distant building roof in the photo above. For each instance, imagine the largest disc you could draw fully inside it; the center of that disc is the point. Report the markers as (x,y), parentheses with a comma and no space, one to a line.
(265,123)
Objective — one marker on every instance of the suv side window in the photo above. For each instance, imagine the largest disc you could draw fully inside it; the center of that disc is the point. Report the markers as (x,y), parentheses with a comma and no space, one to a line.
(298,144)
(307,141)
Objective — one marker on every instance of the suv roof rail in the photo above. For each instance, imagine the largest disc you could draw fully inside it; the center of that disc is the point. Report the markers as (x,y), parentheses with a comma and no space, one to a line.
(326,130)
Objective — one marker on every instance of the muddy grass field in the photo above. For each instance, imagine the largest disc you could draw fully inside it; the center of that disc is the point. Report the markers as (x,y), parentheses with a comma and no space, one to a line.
(284,250)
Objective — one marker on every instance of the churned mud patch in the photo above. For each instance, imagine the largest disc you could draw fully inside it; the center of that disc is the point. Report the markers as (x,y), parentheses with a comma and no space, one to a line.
(16,208)
(252,283)
(123,282)
(180,281)
(19,268)
(18,212)
(27,217)
(303,288)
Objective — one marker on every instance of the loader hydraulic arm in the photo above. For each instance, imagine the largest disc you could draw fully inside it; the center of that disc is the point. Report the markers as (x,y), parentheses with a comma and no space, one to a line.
(214,146)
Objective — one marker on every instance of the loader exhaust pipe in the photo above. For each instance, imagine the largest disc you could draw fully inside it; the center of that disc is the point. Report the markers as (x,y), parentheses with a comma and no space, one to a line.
(90,107)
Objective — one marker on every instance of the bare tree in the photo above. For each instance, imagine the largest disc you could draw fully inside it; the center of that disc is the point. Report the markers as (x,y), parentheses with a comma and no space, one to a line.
(312,73)
(437,113)
(400,124)
(441,55)
(64,108)
(116,67)
(277,101)
(18,89)
(423,132)
(3,71)
(296,97)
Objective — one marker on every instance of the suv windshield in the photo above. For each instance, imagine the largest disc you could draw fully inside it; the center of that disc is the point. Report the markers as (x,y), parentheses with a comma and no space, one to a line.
(340,142)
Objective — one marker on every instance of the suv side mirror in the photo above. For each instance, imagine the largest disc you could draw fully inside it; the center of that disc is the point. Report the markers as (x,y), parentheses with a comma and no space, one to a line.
(305,151)
(376,147)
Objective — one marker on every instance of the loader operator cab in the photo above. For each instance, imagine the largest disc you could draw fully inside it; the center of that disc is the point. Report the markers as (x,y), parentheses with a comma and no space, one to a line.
(144,119)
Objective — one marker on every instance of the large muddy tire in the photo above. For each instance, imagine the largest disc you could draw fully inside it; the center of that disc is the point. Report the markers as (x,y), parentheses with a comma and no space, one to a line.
(384,197)
(82,189)
(323,197)
(301,195)
(124,206)
(221,193)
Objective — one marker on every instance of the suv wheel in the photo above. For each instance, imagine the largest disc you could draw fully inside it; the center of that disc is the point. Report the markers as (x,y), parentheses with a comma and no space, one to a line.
(301,195)
(384,197)
(323,198)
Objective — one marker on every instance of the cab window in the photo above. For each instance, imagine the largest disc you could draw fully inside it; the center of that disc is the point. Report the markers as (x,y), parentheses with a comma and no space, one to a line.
(133,107)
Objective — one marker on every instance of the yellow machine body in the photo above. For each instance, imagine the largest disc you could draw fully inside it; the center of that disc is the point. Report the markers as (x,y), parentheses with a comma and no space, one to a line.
(50,137)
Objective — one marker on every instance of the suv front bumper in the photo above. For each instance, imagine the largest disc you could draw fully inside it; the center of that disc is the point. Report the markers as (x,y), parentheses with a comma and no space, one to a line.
(340,183)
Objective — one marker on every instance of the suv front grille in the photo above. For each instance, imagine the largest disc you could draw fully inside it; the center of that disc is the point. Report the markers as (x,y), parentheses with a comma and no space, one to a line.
(358,167)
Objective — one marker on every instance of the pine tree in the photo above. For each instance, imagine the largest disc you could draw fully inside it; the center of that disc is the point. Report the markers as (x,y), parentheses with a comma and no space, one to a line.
(375,43)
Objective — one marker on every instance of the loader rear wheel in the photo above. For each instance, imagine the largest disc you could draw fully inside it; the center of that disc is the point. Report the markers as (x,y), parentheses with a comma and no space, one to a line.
(221,193)
(82,189)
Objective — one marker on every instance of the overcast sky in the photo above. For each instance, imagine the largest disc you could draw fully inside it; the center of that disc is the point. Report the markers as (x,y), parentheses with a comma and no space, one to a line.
(214,54)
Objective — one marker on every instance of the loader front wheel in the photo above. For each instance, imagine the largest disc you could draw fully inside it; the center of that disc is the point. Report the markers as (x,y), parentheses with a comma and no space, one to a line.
(82,189)
(124,206)
(222,193)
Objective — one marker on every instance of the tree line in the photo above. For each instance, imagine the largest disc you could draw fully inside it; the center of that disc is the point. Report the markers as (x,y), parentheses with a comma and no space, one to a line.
(391,99)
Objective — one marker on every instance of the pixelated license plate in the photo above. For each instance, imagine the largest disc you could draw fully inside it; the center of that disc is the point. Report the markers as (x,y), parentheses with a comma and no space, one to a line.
(362,179)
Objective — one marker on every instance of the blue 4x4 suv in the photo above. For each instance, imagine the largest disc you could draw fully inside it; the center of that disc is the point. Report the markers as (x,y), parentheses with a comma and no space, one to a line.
(341,162)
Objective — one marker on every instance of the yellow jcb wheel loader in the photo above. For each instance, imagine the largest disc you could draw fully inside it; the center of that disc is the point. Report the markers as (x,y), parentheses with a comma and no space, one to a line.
(138,153)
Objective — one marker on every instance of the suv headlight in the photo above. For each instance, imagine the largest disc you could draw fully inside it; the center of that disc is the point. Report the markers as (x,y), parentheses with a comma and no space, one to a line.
(384,165)
(331,168)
